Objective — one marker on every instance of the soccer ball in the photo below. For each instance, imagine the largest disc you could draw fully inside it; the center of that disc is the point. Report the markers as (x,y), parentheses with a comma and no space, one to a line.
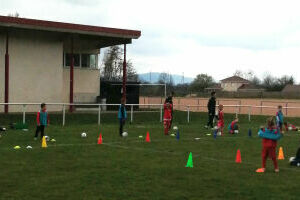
(292,158)
(47,138)
(236,131)
(290,128)
(219,134)
(124,134)
(175,128)
(83,135)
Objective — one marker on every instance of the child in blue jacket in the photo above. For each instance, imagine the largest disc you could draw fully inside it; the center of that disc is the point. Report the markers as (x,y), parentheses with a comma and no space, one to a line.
(279,118)
(42,120)
(122,116)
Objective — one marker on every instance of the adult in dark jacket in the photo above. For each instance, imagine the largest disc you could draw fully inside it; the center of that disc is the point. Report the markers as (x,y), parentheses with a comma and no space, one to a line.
(211,106)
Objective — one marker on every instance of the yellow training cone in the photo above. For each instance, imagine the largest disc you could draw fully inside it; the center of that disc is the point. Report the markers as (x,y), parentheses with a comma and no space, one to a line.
(280,154)
(17,147)
(44,143)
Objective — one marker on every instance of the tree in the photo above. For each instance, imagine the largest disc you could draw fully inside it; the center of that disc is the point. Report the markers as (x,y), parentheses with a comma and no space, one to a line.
(201,82)
(113,66)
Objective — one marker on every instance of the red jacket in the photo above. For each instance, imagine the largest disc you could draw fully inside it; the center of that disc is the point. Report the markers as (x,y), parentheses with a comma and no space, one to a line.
(268,142)
(221,116)
(168,111)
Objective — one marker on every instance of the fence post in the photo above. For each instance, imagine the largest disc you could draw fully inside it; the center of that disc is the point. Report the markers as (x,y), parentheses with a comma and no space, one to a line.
(64,115)
(99,114)
(131,114)
(261,103)
(24,119)
(249,113)
(286,109)
(198,104)
(236,111)
(161,112)
(188,114)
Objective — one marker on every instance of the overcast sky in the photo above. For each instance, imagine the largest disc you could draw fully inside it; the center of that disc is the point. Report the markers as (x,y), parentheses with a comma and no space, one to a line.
(213,37)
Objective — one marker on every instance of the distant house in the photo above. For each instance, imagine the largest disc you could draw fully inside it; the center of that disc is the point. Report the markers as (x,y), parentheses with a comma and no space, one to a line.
(232,84)
(291,89)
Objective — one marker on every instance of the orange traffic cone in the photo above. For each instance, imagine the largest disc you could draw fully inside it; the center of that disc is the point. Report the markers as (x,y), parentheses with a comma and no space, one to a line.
(100,139)
(148,137)
(280,154)
(238,158)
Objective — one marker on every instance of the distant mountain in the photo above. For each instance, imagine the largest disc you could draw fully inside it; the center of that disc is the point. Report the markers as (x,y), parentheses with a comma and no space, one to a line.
(154,76)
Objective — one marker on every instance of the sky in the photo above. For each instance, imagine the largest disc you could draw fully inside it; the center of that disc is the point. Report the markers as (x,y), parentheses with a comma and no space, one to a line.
(215,37)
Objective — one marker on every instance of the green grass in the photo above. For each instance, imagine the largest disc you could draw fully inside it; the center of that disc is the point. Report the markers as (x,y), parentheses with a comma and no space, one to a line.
(76,168)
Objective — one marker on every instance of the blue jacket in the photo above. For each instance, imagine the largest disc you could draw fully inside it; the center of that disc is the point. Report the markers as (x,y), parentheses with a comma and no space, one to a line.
(122,114)
(270,134)
(279,116)
(42,118)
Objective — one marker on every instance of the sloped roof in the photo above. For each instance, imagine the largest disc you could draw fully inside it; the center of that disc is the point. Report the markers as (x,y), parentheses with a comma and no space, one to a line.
(236,79)
(291,88)
(35,24)
(249,87)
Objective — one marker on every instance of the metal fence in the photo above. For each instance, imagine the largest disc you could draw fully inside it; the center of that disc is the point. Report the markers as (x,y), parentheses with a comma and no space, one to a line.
(143,108)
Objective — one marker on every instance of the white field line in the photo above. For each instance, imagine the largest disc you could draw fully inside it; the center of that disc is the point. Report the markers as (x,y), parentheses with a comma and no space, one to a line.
(116,145)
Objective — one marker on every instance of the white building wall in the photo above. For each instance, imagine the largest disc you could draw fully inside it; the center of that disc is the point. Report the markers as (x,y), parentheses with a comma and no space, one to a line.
(36,72)
(86,85)
(231,86)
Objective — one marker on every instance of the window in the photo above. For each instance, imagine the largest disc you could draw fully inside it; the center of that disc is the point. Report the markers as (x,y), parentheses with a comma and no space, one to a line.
(81,60)
(76,60)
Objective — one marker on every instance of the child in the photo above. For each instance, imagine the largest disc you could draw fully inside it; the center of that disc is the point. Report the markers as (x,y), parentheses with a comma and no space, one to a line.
(167,117)
(269,145)
(42,121)
(290,127)
(279,118)
(233,126)
(122,115)
(220,119)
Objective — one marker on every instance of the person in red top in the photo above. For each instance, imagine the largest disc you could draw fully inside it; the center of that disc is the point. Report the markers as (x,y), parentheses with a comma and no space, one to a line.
(290,127)
(269,146)
(167,117)
(233,126)
(220,119)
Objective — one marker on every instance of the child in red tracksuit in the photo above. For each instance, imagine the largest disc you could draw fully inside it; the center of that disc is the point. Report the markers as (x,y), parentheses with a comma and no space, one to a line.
(167,117)
(220,119)
(269,147)
(290,127)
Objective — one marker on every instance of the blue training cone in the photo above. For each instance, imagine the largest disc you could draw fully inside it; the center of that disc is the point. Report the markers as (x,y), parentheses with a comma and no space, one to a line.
(215,134)
(249,132)
(177,135)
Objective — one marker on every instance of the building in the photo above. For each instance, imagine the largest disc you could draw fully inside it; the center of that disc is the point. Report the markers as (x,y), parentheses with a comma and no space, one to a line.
(232,84)
(291,89)
(36,62)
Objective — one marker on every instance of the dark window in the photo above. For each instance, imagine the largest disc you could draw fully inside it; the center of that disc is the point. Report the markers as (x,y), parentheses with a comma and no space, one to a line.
(85,61)
(76,60)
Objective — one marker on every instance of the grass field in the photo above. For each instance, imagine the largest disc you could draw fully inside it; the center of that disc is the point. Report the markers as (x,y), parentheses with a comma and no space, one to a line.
(77,168)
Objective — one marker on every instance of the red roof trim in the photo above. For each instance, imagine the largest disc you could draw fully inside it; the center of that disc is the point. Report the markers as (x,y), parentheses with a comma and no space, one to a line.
(76,27)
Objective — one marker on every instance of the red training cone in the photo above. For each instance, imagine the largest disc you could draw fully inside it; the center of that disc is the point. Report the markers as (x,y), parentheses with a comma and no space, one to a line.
(148,137)
(238,158)
(100,139)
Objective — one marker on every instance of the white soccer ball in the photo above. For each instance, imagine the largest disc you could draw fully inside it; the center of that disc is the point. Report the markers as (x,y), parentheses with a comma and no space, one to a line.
(236,131)
(124,134)
(292,158)
(290,128)
(175,128)
(219,134)
(83,135)
(47,138)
